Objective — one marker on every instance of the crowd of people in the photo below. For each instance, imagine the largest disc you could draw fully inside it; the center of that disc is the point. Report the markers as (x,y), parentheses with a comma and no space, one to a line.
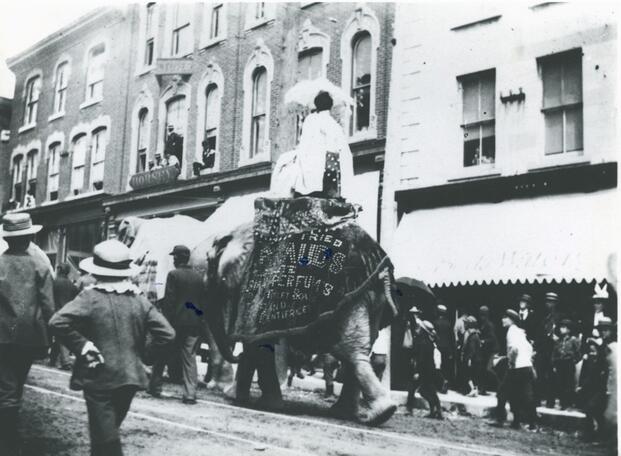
(547,360)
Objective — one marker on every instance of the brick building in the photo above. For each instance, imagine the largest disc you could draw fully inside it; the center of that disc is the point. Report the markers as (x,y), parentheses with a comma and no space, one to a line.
(216,75)
(6,105)
(99,103)
(68,121)
(501,174)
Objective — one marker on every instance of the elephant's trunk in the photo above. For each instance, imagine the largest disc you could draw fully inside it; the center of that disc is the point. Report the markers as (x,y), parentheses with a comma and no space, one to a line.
(215,320)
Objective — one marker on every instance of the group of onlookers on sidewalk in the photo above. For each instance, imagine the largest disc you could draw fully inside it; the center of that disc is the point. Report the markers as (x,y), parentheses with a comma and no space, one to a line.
(538,359)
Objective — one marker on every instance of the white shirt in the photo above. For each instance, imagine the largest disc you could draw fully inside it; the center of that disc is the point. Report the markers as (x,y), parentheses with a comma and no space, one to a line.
(380,347)
(596,319)
(517,341)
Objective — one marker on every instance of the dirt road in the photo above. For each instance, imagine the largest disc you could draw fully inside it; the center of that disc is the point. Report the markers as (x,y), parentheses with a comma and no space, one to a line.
(54,423)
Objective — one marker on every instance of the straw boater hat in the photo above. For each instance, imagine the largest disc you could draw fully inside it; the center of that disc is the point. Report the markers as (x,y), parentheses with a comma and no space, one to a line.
(513,315)
(14,225)
(605,323)
(552,297)
(600,293)
(110,259)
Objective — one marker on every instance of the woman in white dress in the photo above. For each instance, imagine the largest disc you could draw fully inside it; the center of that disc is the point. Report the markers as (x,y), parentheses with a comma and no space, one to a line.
(323,155)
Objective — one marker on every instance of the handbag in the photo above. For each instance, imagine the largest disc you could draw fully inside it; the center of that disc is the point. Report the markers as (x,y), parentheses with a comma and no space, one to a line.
(408,339)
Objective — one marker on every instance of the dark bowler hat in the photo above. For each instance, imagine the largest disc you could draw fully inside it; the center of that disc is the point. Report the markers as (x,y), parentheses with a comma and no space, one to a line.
(110,259)
(567,322)
(180,250)
(14,225)
(513,315)
(553,297)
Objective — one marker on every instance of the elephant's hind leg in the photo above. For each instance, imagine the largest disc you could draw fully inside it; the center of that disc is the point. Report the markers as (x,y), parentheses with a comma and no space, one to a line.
(347,404)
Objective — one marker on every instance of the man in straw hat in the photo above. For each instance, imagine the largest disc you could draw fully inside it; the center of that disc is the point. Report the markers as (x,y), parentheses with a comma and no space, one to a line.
(106,326)
(547,336)
(26,305)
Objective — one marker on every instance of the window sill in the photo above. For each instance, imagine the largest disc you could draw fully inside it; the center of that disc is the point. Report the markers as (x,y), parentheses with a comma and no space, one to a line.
(25,128)
(144,70)
(560,159)
(256,24)
(362,136)
(49,202)
(244,161)
(475,171)
(72,197)
(89,103)
(55,116)
(212,42)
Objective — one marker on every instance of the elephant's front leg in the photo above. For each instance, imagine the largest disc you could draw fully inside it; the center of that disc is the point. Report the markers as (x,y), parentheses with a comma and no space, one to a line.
(268,380)
(376,405)
(347,404)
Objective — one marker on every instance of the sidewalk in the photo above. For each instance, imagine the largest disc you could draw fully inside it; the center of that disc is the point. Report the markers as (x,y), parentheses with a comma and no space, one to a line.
(481,406)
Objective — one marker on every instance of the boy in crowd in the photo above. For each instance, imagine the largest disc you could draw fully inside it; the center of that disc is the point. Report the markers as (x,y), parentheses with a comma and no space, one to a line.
(565,355)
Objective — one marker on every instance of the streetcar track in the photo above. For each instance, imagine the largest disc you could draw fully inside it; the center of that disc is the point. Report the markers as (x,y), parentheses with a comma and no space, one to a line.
(383,434)
(255,443)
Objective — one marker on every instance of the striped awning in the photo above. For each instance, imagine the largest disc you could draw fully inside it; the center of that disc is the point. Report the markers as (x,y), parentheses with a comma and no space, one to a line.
(555,238)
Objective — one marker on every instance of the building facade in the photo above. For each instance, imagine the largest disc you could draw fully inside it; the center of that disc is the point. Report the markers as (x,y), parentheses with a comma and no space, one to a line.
(101,103)
(6,105)
(502,153)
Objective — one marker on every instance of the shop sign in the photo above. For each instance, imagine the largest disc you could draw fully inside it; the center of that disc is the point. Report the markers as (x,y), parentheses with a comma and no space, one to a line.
(154,177)
(174,66)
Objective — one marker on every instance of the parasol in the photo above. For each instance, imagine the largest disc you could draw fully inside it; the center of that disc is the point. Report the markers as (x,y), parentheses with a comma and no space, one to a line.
(415,291)
(304,93)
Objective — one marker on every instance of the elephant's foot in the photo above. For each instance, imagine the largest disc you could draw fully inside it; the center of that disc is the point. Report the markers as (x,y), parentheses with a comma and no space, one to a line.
(377,411)
(271,402)
(343,409)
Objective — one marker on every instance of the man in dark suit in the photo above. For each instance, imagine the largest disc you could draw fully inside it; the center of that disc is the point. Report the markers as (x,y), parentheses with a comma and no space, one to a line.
(26,305)
(174,144)
(182,306)
(527,319)
(64,291)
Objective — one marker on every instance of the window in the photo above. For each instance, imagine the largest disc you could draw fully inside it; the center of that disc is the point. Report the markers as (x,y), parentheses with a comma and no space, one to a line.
(98,156)
(215,27)
(361,81)
(176,117)
(478,94)
(60,93)
(31,165)
(181,33)
(95,73)
(212,120)
(310,64)
(33,90)
(17,178)
(149,34)
(259,102)
(259,11)
(53,171)
(79,159)
(143,140)
(561,75)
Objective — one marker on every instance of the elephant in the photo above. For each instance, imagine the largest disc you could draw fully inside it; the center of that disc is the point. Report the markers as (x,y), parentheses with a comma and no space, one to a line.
(348,335)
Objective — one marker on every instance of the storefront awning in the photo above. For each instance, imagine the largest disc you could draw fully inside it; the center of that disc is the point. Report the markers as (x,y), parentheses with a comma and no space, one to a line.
(545,239)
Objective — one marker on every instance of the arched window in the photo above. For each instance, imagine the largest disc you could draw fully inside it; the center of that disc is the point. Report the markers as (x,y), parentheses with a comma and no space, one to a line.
(99,141)
(258,112)
(31,177)
(361,80)
(176,117)
(95,72)
(78,162)
(31,101)
(53,171)
(143,141)
(150,27)
(17,190)
(310,63)
(60,90)
(212,118)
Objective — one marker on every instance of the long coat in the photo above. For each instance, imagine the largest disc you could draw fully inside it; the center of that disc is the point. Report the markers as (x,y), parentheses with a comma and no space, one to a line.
(118,325)
(26,299)
(184,299)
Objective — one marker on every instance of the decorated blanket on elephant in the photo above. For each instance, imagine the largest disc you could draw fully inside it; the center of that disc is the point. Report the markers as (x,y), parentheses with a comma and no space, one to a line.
(309,259)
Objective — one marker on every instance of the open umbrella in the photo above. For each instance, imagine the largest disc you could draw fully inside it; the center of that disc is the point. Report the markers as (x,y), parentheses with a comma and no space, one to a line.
(304,93)
(415,292)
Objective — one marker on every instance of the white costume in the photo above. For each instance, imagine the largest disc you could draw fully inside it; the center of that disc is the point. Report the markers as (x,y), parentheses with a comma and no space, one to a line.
(321,134)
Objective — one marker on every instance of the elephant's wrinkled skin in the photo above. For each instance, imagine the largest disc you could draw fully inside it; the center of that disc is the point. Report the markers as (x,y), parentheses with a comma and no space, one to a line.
(348,336)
